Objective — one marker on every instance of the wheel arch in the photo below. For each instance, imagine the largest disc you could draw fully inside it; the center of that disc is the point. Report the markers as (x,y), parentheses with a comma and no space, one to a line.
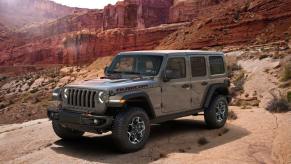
(214,90)
(138,99)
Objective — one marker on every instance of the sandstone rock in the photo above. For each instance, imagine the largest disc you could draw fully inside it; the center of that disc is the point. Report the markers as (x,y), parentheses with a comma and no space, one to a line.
(66,71)
(25,87)
(65,80)
(34,100)
(9,85)
(37,83)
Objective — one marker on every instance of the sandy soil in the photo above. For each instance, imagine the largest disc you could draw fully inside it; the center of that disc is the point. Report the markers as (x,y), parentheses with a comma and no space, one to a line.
(245,140)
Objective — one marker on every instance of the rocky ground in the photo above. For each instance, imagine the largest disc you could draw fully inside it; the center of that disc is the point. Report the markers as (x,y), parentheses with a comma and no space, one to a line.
(27,96)
(246,139)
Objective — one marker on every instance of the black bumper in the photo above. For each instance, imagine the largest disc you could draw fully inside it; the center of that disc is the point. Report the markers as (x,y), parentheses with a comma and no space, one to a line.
(81,121)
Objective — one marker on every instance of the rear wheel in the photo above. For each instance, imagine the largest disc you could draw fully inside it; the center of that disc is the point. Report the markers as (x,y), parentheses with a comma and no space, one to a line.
(216,115)
(131,129)
(66,133)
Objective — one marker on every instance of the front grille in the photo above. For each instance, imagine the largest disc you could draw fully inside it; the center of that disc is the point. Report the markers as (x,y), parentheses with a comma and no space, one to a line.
(83,98)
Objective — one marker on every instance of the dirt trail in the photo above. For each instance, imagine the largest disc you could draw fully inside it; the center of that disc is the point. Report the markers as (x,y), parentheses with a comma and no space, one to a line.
(260,81)
(245,140)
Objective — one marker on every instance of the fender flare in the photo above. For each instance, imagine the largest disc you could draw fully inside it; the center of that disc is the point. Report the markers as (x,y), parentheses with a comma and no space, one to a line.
(211,90)
(135,95)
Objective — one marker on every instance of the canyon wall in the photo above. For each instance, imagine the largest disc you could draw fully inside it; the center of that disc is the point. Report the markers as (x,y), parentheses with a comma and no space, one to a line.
(84,46)
(83,36)
(19,13)
(235,23)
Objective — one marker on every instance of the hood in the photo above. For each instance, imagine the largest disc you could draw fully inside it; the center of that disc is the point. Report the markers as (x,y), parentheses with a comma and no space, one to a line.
(118,85)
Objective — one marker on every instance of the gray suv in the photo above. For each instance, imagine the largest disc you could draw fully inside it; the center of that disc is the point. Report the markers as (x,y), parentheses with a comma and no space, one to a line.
(141,88)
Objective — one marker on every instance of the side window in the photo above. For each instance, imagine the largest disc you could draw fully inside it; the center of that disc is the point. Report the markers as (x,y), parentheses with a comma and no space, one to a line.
(176,68)
(198,66)
(216,65)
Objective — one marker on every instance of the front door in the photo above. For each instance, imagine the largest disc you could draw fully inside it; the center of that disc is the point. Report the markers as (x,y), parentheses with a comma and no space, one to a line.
(176,93)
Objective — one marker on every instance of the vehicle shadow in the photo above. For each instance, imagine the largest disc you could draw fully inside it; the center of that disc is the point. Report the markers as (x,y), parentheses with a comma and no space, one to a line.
(177,136)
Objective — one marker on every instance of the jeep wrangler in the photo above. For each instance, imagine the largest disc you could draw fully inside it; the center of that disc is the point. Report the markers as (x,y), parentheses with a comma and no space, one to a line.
(141,88)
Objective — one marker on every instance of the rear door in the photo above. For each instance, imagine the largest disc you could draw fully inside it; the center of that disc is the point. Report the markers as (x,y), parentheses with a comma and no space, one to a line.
(176,93)
(198,79)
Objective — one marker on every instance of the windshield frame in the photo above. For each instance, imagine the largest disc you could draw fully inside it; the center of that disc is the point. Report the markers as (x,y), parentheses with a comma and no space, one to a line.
(136,56)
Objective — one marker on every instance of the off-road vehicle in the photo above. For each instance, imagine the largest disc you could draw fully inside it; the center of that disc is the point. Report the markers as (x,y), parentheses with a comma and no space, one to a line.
(141,88)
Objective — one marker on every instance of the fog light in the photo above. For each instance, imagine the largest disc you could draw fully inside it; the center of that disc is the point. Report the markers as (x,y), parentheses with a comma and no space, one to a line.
(96,121)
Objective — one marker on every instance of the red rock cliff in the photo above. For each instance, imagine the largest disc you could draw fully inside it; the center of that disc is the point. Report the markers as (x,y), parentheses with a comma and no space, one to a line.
(19,13)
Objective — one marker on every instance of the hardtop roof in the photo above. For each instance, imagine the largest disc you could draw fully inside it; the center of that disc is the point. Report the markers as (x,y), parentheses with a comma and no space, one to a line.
(171,52)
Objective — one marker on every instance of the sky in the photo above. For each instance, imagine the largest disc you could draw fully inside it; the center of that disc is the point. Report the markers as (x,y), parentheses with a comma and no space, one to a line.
(91,4)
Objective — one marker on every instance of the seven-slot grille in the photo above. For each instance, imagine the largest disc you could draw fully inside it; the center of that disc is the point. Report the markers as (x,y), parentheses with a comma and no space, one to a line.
(81,97)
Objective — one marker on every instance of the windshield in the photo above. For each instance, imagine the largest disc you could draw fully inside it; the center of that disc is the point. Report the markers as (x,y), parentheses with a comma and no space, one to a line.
(146,65)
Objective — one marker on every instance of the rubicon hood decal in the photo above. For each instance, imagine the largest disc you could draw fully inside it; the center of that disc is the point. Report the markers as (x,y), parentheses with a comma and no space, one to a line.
(115,86)
(118,90)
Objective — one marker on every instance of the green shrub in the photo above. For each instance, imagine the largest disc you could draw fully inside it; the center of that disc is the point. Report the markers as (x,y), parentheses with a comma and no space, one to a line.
(286,74)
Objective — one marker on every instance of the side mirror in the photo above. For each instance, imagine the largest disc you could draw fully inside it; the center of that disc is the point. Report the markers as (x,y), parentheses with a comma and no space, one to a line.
(168,75)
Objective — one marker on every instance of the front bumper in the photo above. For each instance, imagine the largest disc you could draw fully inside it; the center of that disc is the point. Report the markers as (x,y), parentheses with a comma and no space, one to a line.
(80,121)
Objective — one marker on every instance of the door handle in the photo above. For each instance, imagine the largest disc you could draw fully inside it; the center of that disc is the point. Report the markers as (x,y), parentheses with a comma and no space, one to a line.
(204,83)
(187,86)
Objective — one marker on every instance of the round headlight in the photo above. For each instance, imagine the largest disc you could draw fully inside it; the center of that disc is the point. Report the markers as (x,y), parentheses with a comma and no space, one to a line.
(102,97)
(57,94)
(66,93)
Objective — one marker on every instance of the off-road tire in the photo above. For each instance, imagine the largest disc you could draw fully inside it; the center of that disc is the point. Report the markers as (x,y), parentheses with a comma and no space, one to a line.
(121,127)
(210,114)
(66,133)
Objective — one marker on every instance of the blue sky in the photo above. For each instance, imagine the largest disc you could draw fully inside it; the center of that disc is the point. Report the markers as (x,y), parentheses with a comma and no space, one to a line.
(91,4)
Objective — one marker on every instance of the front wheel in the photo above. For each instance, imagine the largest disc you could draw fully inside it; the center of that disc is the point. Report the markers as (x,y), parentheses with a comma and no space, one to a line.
(216,115)
(131,129)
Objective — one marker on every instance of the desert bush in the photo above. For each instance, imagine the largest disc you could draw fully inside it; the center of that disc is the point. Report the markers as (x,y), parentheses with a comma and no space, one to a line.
(239,81)
(223,131)
(286,73)
(232,115)
(34,90)
(285,84)
(263,56)
(278,104)
(233,67)
(202,141)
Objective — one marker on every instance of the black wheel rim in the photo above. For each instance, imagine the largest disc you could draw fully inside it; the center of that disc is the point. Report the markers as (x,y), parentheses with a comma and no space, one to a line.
(220,111)
(136,130)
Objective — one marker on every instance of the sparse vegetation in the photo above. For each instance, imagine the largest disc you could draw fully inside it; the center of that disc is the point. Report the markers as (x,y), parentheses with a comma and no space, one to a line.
(263,56)
(232,115)
(182,150)
(286,73)
(34,90)
(239,80)
(278,104)
(202,141)
(285,84)
(224,131)
(246,103)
